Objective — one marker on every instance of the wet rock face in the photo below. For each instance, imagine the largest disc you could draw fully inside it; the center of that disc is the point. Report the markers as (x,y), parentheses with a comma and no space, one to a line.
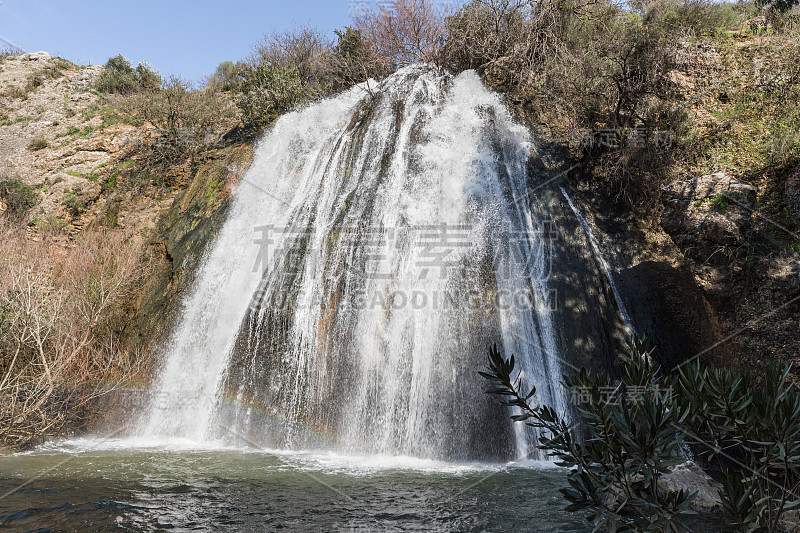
(707,213)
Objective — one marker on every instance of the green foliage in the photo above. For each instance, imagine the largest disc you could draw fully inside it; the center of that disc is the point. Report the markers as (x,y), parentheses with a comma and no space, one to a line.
(38,143)
(354,61)
(695,17)
(186,121)
(630,444)
(297,67)
(781,6)
(267,92)
(37,78)
(50,223)
(784,146)
(119,77)
(18,197)
(747,425)
(720,203)
(580,67)
(75,202)
(617,450)
(228,76)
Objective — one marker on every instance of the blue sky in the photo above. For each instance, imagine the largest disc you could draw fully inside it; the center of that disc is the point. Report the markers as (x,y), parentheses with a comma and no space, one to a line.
(183,37)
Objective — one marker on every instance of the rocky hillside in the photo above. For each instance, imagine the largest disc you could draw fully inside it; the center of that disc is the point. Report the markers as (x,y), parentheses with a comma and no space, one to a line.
(725,193)
(734,208)
(61,146)
(70,159)
(109,241)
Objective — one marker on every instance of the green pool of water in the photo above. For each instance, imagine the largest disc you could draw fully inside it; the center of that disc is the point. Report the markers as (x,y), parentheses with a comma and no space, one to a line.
(127,486)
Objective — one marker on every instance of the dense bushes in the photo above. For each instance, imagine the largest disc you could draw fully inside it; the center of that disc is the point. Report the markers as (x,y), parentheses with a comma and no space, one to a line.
(595,73)
(17,197)
(292,68)
(268,91)
(119,77)
(411,31)
(629,433)
(186,121)
(227,77)
(599,75)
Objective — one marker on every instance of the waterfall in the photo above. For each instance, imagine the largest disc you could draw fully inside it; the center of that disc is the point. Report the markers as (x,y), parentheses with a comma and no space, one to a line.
(376,248)
(598,253)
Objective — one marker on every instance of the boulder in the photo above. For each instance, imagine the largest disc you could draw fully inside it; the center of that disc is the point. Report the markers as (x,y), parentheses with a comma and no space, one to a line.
(690,477)
(707,213)
(35,56)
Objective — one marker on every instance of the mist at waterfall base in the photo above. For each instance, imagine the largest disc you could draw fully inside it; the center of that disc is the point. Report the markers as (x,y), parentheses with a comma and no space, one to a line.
(297,392)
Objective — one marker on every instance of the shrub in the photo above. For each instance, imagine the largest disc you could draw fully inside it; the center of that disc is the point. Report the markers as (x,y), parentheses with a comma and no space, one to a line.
(629,445)
(622,445)
(61,311)
(780,6)
(578,66)
(784,146)
(119,77)
(409,31)
(304,50)
(38,143)
(481,32)
(720,203)
(267,92)
(18,197)
(698,17)
(227,77)
(7,51)
(75,202)
(353,59)
(748,427)
(186,120)
(291,68)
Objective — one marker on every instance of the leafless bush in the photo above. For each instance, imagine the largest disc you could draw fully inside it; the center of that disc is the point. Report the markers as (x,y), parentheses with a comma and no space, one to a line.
(411,31)
(484,31)
(185,121)
(59,314)
(7,51)
(305,49)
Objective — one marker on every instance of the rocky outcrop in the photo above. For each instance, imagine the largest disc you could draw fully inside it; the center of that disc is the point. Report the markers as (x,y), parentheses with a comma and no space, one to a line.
(66,144)
(708,213)
(654,280)
(181,236)
(35,56)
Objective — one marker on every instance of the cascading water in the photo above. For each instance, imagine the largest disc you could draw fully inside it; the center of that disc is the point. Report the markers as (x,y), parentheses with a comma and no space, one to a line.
(375,249)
